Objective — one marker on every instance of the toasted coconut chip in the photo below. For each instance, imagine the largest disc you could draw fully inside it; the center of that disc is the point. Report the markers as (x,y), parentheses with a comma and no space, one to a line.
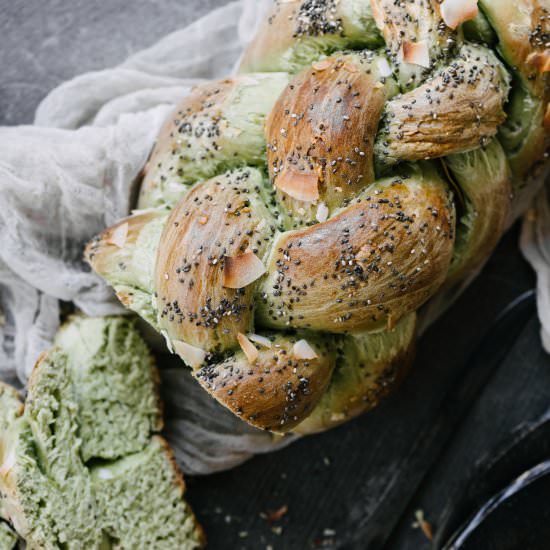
(377,14)
(192,356)
(322,213)
(302,350)
(322,65)
(540,60)
(456,12)
(260,340)
(302,186)
(124,298)
(384,68)
(547,117)
(119,235)
(242,270)
(248,347)
(417,53)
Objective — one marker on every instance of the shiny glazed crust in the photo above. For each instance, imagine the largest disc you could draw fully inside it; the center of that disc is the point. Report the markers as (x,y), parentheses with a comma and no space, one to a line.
(375,177)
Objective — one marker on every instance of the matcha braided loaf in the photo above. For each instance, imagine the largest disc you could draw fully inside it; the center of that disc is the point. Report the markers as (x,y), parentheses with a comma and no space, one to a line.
(82,467)
(296,216)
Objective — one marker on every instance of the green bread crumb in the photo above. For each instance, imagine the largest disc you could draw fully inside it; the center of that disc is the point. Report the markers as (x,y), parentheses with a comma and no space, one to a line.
(81,466)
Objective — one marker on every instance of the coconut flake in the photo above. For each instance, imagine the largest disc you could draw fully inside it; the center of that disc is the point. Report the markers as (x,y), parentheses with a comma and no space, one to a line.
(242,270)
(302,350)
(119,235)
(322,65)
(456,12)
(192,356)
(248,347)
(322,213)
(303,186)
(377,14)
(384,68)
(417,53)
(261,340)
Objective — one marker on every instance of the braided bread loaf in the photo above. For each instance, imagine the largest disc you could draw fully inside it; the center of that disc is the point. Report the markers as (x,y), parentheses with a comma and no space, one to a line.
(295,217)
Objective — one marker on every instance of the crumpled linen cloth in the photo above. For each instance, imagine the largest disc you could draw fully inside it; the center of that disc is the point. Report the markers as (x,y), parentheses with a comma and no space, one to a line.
(73,173)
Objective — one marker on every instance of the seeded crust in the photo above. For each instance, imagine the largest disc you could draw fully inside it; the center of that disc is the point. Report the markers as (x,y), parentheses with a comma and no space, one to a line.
(368,368)
(371,183)
(228,217)
(523,29)
(405,24)
(322,126)
(296,33)
(218,126)
(278,390)
(369,265)
(458,109)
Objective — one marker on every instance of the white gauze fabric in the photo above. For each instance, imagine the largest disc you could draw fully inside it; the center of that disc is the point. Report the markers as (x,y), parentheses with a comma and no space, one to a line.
(73,173)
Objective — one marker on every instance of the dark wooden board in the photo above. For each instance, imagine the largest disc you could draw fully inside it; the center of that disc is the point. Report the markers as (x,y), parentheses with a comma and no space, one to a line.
(357,486)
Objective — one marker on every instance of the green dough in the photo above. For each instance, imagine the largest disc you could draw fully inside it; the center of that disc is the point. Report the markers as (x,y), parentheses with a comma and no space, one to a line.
(81,466)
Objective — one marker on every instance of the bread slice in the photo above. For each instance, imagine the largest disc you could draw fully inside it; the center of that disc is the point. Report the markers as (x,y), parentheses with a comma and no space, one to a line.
(115,384)
(150,486)
(8,538)
(81,467)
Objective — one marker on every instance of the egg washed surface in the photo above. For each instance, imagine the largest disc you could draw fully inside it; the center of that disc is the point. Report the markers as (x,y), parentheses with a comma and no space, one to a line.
(366,159)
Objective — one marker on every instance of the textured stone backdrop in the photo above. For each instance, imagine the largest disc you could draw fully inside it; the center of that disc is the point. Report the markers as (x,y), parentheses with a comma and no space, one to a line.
(45,42)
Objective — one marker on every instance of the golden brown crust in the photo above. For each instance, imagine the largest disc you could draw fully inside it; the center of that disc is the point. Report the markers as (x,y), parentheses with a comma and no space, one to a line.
(523,28)
(275,392)
(373,382)
(457,110)
(104,250)
(323,126)
(385,250)
(217,219)
(44,356)
(287,23)
(180,482)
(201,107)
(274,35)
(409,24)
(368,266)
